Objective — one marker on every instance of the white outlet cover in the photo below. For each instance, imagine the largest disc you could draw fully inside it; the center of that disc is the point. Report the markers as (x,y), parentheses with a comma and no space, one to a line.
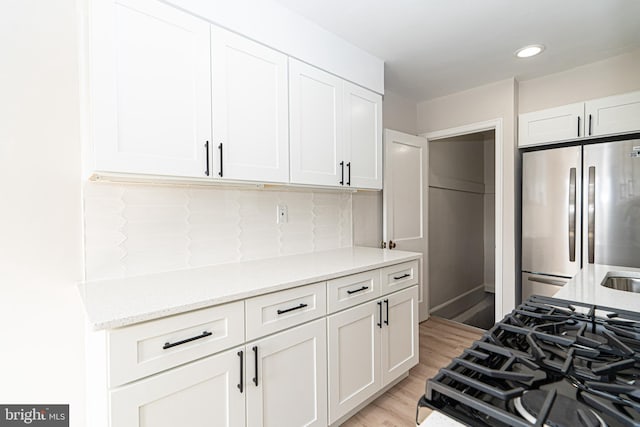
(283,214)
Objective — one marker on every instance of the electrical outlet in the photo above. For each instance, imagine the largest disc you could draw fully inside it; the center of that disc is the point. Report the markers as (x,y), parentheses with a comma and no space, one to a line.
(283,214)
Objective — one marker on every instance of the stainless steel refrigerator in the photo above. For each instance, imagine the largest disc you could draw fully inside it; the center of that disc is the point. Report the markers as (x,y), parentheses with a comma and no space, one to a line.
(580,205)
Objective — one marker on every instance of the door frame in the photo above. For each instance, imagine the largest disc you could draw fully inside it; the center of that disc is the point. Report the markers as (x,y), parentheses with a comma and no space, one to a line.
(496,126)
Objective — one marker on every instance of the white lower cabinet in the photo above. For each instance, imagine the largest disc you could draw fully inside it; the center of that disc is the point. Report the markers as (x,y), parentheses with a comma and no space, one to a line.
(287,378)
(369,346)
(399,344)
(354,357)
(201,394)
(290,364)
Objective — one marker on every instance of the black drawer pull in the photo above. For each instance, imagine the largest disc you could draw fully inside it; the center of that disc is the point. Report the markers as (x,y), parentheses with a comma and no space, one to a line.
(206,148)
(241,383)
(386,302)
(255,360)
(203,335)
(401,277)
(221,156)
(293,308)
(358,290)
(380,307)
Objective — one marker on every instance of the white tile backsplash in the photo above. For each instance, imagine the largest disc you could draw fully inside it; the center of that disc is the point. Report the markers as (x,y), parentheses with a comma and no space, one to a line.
(133,229)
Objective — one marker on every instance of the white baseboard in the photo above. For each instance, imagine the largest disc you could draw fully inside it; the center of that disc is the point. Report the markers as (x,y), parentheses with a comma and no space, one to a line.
(445,304)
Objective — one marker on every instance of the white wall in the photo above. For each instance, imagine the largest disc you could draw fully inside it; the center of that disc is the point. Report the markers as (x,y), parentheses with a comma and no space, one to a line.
(42,351)
(611,76)
(133,229)
(496,100)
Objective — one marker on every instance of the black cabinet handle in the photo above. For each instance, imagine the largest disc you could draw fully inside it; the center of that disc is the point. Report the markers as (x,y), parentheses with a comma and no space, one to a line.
(292,308)
(380,307)
(203,335)
(578,125)
(206,148)
(401,277)
(386,302)
(357,290)
(349,174)
(255,355)
(220,148)
(590,124)
(341,173)
(241,384)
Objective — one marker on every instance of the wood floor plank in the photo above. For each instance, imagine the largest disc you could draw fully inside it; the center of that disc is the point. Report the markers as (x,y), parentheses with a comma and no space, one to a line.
(440,341)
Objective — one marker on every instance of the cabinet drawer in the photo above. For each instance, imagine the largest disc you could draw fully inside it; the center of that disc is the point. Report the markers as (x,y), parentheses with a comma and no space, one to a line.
(351,290)
(270,313)
(141,350)
(400,276)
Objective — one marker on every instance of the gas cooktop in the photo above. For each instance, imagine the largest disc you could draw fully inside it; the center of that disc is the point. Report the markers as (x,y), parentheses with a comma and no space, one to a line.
(549,362)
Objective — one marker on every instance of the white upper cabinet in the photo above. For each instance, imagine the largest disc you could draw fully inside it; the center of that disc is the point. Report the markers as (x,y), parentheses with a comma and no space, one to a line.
(316,139)
(172,95)
(614,114)
(551,125)
(605,116)
(363,137)
(150,89)
(250,109)
(336,130)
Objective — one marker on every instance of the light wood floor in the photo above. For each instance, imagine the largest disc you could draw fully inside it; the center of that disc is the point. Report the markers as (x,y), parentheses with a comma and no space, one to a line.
(440,341)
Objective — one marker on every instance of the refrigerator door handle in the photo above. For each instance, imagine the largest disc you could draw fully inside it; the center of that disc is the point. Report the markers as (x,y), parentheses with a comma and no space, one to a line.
(547,281)
(572,214)
(591,211)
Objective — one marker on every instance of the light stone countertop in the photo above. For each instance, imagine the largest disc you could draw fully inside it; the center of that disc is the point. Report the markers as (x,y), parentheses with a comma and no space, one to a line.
(586,287)
(120,302)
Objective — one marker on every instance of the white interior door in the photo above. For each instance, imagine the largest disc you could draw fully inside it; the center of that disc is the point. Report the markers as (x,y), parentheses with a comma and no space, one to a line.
(405,207)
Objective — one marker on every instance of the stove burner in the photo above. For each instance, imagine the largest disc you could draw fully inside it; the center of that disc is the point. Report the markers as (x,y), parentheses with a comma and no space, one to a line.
(551,362)
(589,335)
(564,412)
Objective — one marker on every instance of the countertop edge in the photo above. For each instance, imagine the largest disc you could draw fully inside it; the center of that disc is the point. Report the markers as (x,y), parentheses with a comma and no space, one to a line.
(144,316)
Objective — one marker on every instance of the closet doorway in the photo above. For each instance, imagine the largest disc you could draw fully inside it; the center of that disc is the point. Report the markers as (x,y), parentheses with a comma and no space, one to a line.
(465,223)
(462,228)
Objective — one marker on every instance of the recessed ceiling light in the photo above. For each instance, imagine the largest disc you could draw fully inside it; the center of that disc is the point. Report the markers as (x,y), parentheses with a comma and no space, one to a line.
(529,51)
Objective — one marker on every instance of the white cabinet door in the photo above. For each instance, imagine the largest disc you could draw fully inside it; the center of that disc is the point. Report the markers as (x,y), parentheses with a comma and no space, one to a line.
(354,357)
(250,109)
(363,137)
(290,385)
(316,125)
(551,125)
(200,394)
(399,346)
(150,89)
(614,114)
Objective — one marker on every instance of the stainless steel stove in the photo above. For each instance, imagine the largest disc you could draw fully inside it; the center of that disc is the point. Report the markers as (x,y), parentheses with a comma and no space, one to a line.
(550,362)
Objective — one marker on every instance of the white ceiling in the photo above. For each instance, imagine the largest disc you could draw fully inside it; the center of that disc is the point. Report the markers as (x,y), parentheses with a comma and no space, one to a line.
(436,47)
